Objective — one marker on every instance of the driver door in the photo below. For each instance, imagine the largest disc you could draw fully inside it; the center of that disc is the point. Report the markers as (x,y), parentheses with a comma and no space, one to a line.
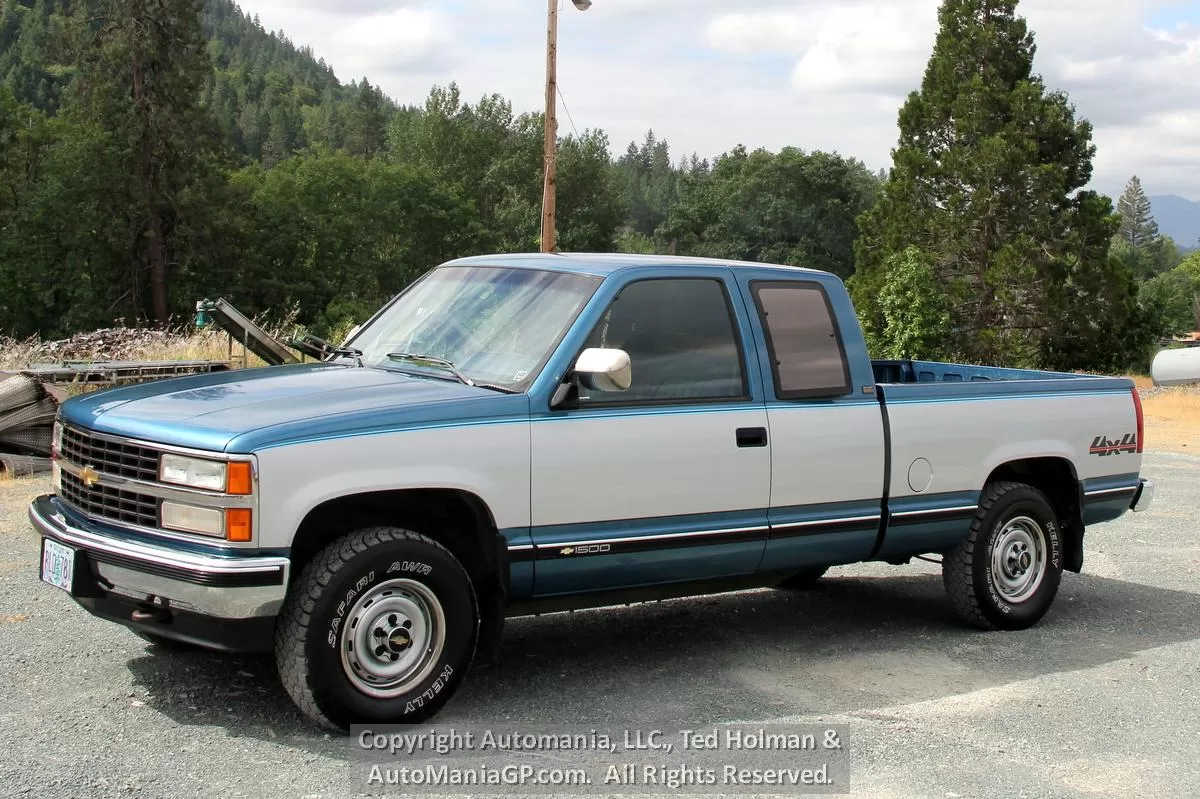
(669,480)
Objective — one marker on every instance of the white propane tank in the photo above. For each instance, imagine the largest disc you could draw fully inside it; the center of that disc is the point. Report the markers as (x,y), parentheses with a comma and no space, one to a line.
(1176,367)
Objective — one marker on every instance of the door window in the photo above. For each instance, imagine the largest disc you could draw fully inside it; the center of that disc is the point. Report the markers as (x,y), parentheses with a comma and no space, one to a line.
(681,340)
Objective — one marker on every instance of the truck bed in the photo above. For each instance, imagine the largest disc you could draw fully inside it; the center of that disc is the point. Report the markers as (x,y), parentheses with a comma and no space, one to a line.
(907,371)
(926,380)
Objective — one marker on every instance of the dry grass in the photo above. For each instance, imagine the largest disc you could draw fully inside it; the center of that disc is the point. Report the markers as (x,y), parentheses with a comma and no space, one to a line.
(1173,420)
(205,345)
(1143,382)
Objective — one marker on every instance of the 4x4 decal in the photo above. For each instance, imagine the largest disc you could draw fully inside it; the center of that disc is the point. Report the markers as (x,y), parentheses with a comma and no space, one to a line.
(1102,446)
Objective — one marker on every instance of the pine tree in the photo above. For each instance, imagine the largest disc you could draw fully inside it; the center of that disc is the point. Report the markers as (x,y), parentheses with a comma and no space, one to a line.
(366,126)
(1137,220)
(986,182)
(143,65)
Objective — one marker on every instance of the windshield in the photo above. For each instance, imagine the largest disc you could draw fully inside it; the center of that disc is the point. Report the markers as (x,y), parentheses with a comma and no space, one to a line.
(496,325)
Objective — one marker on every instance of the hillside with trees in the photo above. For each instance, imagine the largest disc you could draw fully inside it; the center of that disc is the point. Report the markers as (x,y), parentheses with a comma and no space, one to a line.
(155,152)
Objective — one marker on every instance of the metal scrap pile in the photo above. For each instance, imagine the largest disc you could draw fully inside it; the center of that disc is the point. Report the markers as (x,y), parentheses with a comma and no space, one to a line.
(26,424)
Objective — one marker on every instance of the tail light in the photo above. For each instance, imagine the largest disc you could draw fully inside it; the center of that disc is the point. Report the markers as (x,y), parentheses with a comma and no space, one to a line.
(1141,423)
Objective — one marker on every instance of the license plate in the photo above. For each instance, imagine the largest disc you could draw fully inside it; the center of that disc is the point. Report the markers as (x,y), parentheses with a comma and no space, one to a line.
(58,564)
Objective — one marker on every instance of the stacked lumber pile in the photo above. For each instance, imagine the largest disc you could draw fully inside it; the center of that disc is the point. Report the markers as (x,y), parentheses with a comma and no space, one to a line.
(26,425)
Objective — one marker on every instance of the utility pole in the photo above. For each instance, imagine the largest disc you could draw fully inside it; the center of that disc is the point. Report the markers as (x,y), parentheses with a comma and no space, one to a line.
(550,179)
(551,132)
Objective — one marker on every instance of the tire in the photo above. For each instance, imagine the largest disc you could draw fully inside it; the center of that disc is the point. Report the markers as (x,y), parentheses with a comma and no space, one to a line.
(380,627)
(804,579)
(990,582)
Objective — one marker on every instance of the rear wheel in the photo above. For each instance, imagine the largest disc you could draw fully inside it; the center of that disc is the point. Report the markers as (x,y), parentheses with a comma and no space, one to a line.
(1005,574)
(380,626)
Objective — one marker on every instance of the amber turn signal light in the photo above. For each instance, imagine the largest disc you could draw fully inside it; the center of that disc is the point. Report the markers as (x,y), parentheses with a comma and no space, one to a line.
(237,525)
(239,480)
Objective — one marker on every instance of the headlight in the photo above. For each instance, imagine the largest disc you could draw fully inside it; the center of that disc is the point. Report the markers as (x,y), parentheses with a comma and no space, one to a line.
(56,439)
(232,478)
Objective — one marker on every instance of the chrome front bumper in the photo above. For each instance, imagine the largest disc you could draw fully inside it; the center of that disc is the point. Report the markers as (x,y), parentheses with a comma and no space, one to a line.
(1143,497)
(223,587)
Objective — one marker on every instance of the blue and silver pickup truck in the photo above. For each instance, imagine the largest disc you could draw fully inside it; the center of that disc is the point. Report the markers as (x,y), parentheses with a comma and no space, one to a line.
(530,433)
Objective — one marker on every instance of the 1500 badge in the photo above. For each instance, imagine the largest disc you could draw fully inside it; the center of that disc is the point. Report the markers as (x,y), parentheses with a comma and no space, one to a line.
(585,549)
(1102,446)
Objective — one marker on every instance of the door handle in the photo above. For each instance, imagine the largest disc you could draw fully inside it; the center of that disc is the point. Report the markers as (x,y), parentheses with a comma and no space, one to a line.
(752,436)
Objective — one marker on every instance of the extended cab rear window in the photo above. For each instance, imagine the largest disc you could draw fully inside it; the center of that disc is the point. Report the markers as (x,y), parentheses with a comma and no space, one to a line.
(807,356)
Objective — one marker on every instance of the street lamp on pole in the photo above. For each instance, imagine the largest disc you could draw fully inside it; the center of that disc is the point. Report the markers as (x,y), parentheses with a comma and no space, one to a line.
(551,131)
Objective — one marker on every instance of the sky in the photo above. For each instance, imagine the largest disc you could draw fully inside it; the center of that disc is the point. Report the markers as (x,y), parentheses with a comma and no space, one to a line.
(707,75)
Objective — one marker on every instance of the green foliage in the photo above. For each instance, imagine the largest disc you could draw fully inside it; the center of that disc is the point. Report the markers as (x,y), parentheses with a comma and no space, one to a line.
(1170,299)
(987,182)
(1173,298)
(788,207)
(142,65)
(337,235)
(915,312)
(1138,227)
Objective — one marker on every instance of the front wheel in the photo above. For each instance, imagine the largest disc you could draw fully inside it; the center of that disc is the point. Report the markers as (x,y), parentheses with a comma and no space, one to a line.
(379,627)
(1005,574)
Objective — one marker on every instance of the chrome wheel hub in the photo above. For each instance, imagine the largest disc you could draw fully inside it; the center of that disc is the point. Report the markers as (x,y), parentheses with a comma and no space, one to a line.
(1019,559)
(393,636)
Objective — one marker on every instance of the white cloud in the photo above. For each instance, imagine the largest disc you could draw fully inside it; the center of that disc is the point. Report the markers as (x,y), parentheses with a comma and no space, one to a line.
(381,44)
(816,74)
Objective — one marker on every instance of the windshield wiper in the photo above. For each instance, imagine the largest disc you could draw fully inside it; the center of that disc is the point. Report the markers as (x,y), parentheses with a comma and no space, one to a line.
(442,362)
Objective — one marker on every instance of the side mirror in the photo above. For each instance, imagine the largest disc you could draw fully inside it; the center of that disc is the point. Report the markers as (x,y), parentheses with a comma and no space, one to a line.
(604,369)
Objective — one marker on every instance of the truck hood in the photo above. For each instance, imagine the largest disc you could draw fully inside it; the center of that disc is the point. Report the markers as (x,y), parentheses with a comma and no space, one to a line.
(244,410)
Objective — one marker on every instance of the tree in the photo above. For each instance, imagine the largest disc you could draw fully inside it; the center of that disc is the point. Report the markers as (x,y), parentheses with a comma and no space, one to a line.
(143,65)
(986,182)
(789,207)
(1138,227)
(366,123)
(916,313)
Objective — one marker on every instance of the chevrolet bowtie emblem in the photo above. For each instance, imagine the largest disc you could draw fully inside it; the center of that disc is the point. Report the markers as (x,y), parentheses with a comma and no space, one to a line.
(567,551)
(89,476)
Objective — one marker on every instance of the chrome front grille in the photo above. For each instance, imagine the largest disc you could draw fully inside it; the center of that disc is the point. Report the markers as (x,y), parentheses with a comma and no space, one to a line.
(110,457)
(104,502)
(117,458)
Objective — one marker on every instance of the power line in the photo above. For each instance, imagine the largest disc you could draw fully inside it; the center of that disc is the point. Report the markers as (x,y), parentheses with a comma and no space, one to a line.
(564,103)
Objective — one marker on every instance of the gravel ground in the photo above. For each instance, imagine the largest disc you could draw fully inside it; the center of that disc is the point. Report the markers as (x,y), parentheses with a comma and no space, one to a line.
(1101,699)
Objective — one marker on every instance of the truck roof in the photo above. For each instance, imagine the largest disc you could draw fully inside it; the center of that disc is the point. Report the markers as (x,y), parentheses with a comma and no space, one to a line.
(603,264)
